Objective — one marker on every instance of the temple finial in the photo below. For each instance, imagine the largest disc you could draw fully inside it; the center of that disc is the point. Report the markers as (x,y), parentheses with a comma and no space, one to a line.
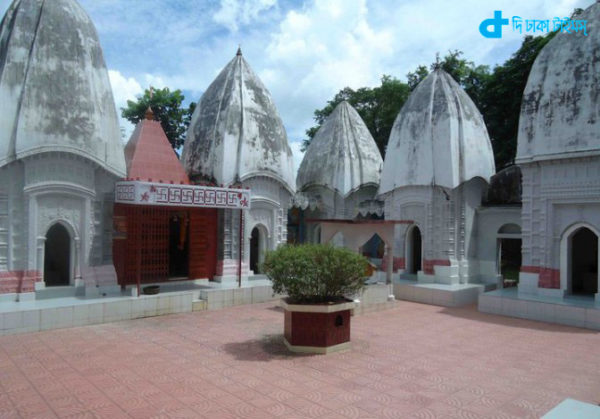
(438,63)
(239,51)
(149,112)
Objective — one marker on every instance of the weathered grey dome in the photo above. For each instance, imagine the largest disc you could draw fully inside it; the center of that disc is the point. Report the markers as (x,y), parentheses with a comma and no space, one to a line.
(54,89)
(560,113)
(439,138)
(343,155)
(236,131)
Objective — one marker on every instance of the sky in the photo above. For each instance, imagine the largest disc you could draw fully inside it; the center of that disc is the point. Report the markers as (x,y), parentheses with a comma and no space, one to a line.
(303,51)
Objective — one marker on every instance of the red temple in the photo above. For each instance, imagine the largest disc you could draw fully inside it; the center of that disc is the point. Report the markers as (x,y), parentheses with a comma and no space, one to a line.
(165,227)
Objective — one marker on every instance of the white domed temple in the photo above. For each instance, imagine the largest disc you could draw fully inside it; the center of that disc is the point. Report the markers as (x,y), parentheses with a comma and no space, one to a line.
(236,138)
(339,174)
(60,147)
(438,163)
(559,155)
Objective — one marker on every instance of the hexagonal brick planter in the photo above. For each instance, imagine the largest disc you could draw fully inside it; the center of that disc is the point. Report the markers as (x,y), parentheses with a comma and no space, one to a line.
(317,328)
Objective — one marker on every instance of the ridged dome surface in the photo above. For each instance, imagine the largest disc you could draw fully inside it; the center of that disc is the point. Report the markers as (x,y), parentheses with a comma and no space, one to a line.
(560,112)
(236,131)
(438,138)
(343,155)
(55,94)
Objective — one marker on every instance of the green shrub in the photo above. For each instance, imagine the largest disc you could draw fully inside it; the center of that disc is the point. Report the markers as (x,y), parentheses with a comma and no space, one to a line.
(315,273)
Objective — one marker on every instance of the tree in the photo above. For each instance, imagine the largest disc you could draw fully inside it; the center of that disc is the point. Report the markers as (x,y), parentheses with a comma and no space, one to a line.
(472,78)
(167,109)
(378,107)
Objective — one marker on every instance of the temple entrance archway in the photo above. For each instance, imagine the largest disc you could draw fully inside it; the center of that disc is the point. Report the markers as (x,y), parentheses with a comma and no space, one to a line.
(414,250)
(583,262)
(509,253)
(258,247)
(57,256)
(178,245)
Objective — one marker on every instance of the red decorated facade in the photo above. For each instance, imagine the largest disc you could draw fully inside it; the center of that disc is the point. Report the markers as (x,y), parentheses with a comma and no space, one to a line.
(165,228)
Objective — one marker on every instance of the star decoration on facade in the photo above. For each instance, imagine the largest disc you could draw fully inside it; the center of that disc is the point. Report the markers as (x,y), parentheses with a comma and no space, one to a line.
(145,196)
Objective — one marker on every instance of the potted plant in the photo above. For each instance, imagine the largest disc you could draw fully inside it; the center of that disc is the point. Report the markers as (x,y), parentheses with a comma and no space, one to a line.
(316,279)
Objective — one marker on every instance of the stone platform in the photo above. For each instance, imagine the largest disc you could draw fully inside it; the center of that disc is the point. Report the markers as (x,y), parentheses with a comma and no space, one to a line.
(577,311)
(439,294)
(63,307)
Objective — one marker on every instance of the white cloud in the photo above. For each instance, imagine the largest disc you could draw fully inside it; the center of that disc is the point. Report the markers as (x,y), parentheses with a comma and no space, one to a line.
(327,45)
(234,13)
(124,89)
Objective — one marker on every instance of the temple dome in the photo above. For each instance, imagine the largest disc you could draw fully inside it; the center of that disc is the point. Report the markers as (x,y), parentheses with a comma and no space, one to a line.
(343,155)
(560,112)
(236,131)
(439,138)
(149,155)
(55,94)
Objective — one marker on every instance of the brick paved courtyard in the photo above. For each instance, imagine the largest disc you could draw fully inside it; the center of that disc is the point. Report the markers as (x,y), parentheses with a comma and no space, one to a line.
(410,361)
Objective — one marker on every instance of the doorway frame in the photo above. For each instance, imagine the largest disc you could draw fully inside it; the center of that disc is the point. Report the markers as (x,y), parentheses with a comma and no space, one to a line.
(263,244)
(408,249)
(566,248)
(73,241)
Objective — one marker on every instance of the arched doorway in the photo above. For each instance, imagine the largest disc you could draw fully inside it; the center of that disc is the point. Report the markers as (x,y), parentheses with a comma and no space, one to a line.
(57,256)
(584,262)
(178,245)
(258,246)
(413,250)
(509,253)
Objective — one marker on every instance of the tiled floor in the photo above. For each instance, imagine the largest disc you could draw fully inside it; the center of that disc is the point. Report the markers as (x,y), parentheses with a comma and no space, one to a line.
(410,361)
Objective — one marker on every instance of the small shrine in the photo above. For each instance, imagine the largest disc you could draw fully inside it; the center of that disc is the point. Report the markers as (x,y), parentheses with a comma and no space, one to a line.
(165,227)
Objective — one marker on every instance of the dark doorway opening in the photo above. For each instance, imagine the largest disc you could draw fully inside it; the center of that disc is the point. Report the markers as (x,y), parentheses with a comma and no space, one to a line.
(57,256)
(254,249)
(178,245)
(510,259)
(584,262)
(415,250)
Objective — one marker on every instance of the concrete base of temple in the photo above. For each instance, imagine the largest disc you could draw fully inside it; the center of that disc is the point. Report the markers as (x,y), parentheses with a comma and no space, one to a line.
(230,279)
(579,311)
(455,295)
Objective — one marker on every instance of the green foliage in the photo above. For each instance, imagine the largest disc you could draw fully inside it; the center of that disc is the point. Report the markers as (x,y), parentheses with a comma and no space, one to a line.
(472,78)
(314,273)
(415,77)
(378,107)
(167,109)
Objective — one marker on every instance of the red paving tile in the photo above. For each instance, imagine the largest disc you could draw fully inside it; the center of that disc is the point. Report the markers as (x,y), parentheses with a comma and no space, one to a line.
(410,361)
